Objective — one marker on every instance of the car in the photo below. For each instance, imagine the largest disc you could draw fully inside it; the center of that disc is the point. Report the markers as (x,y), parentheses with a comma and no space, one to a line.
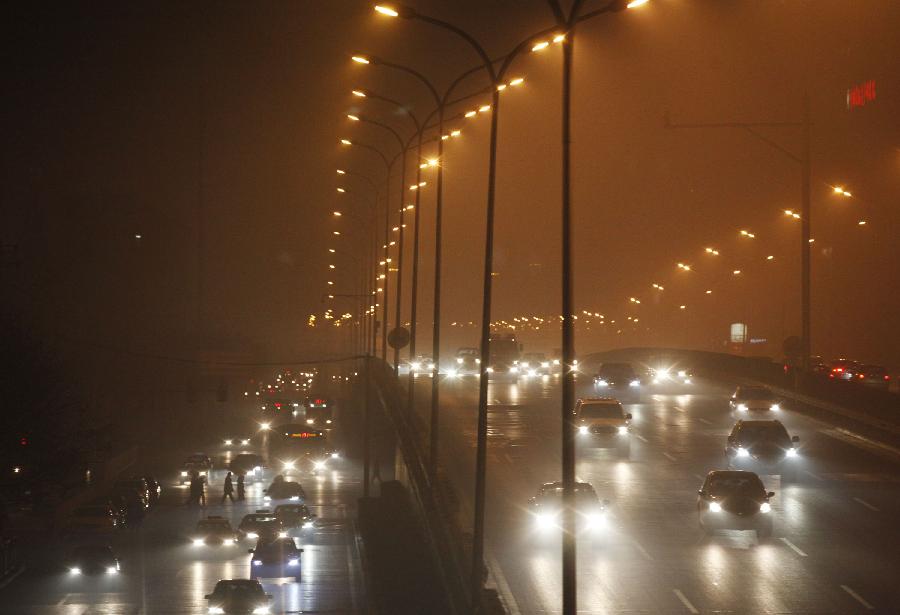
(238,596)
(420,364)
(843,370)
(200,460)
(213,530)
(546,508)
(467,360)
(319,411)
(295,516)
(276,558)
(93,518)
(248,464)
(874,376)
(188,470)
(603,422)
(616,375)
(753,398)
(284,490)
(764,446)
(734,500)
(235,442)
(662,374)
(93,559)
(263,522)
(535,364)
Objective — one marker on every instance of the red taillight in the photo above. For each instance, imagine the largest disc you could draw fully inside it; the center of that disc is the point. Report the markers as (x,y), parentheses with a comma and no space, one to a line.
(862,375)
(838,369)
(320,401)
(277,405)
(887,377)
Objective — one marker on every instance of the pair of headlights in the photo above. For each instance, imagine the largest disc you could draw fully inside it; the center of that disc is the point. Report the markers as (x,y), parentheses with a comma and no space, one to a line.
(622,430)
(715,507)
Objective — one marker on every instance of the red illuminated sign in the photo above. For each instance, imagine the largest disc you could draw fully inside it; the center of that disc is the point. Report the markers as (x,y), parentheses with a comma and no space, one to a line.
(861,94)
(306,435)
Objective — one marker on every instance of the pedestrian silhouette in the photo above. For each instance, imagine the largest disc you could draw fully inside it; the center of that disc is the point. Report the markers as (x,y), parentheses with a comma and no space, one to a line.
(240,487)
(227,489)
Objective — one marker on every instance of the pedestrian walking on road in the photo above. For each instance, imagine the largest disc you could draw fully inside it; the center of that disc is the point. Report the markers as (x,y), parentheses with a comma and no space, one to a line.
(240,487)
(228,489)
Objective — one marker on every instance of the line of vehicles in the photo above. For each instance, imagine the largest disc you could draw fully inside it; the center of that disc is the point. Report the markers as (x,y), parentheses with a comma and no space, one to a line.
(730,498)
(295,441)
(849,371)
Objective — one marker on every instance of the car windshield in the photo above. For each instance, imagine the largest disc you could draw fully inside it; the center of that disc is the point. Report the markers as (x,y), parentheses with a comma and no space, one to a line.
(92,552)
(258,518)
(749,433)
(583,493)
(212,526)
(196,459)
(602,411)
(755,393)
(238,591)
(291,509)
(734,484)
(616,370)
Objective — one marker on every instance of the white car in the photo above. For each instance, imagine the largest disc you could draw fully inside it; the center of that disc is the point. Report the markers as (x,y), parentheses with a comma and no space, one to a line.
(751,398)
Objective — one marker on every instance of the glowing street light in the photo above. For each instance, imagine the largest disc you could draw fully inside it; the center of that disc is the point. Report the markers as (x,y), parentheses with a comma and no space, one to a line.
(352,117)
(337,213)
(341,190)
(386,10)
(636,3)
(341,172)
(346,142)
(358,93)
(517,81)
(712,251)
(747,234)
(684,267)
(360,59)
(657,286)
(541,46)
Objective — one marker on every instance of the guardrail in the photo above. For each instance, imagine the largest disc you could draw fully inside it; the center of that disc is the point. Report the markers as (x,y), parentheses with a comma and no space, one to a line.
(10,557)
(432,501)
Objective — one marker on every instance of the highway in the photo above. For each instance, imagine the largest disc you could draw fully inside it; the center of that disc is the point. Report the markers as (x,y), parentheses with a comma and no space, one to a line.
(163,573)
(833,549)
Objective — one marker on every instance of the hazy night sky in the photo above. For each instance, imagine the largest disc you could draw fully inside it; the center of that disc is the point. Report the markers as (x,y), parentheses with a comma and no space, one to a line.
(147,118)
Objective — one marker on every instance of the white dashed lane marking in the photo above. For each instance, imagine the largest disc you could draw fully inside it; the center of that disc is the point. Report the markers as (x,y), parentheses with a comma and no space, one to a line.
(687,603)
(793,547)
(866,504)
(857,597)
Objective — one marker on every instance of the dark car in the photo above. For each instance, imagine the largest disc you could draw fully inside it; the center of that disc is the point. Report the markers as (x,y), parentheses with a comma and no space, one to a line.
(236,442)
(468,360)
(284,490)
(616,375)
(874,376)
(763,446)
(534,364)
(590,510)
(200,460)
(295,515)
(214,531)
(734,500)
(237,596)
(844,370)
(93,559)
(259,524)
(276,558)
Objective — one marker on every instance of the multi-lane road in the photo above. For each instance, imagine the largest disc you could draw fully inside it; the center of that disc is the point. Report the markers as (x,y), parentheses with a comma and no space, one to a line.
(834,548)
(162,572)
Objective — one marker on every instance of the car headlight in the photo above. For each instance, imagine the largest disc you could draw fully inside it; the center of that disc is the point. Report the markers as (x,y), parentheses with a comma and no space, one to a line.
(545,364)
(256,469)
(293,562)
(294,498)
(228,442)
(282,534)
(184,473)
(197,542)
(267,498)
(765,507)
(257,562)
(742,452)
(265,426)
(545,521)
(288,465)
(261,610)
(687,380)
(525,364)
(742,407)
(252,535)
(715,507)
(452,373)
(775,407)
(532,372)
(307,525)
(310,421)
(489,369)
(328,421)
(602,383)
(582,429)
(202,472)
(663,373)
(335,455)
(111,570)
(623,430)
(228,541)
(596,520)
(416,366)
(319,465)
(75,570)
(245,442)
(459,361)
(634,383)
(513,370)
(682,373)
(555,361)
(216,610)
(792,452)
